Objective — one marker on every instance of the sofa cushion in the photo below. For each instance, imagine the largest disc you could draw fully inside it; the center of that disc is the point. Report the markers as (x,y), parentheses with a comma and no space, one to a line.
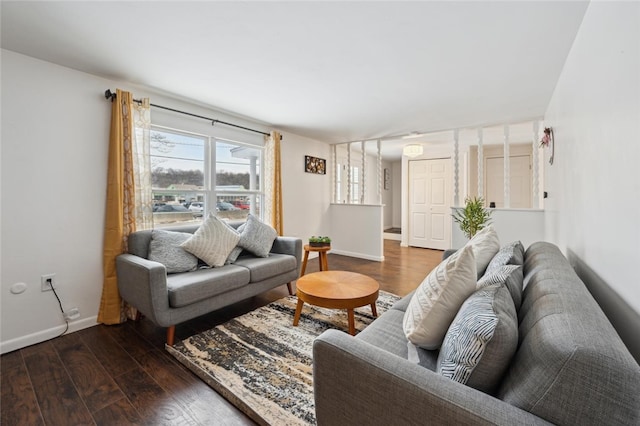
(212,242)
(190,287)
(257,237)
(164,247)
(386,333)
(485,245)
(509,275)
(438,298)
(571,366)
(481,339)
(262,268)
(403,304)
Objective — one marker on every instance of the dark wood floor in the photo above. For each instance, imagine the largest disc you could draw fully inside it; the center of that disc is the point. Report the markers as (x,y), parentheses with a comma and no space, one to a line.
(121,375)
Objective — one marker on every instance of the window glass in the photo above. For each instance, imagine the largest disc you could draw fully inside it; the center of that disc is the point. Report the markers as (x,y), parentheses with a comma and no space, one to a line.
(237,180)
(177,177)
(355,185)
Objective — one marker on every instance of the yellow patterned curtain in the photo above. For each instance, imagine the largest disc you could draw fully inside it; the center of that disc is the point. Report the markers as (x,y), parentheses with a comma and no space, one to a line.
(273,182)
(122,205)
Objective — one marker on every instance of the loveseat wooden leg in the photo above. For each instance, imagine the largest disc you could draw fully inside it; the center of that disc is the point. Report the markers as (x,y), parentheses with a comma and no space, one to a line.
(171,334)
(290,288)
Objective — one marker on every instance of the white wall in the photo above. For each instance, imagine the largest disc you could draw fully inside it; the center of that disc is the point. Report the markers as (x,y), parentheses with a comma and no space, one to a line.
(55,130)
(306,195)
(356,230)
(524,225)
(594,184)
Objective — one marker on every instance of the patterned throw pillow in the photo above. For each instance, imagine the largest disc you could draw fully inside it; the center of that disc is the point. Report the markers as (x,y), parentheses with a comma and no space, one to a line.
(237,250)
(438,298)
(510,254)
(212,242)
(165,248)
(511,276)
(481,340)
(485,245)
(257,237)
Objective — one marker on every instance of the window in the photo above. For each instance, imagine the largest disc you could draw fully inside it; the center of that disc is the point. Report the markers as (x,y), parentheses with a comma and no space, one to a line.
(193,175)
(238,186)
(355,185)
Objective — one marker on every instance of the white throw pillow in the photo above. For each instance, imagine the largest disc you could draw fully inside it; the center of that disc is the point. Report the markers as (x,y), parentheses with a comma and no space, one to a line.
(212,242)
(485,245)
(438,299)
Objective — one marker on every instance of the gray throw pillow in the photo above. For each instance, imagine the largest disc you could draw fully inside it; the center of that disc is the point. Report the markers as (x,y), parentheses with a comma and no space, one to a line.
(165,248)
(481,340)
(509,254)
(237,250)
(509,275)
(257,237)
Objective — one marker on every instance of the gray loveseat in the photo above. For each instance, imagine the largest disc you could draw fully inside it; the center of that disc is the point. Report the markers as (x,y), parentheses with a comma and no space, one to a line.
(169,299)
(570,367)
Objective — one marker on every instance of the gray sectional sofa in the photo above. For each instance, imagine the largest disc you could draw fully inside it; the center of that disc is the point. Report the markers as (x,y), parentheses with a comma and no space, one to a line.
(169,299)
(570,366)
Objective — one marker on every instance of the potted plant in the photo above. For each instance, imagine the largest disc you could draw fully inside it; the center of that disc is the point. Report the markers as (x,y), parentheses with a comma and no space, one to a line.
(473,217)
(319,241)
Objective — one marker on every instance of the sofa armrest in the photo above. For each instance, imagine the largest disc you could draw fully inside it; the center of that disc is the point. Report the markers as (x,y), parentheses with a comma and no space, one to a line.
(291,246)
(358,383)
(143,284)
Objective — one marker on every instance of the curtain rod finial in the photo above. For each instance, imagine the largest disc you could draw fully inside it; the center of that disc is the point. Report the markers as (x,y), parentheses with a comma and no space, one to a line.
(108,94)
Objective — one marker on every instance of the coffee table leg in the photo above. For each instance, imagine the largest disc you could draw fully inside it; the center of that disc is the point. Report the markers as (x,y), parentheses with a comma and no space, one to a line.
(296,317)
(374,310)
(352,322)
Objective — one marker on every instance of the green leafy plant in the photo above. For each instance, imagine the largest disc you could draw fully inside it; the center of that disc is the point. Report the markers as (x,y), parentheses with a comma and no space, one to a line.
(313,240)
(473,217)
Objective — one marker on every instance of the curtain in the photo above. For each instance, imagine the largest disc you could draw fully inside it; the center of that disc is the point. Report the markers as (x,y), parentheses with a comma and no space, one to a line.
(142,165)
(273,182)
(127,200)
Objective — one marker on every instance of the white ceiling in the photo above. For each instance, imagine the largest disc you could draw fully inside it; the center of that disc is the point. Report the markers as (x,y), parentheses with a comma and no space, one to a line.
(332,71)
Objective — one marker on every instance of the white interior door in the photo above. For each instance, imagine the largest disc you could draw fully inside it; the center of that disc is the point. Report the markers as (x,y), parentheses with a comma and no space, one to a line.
(430,203)
(519,181)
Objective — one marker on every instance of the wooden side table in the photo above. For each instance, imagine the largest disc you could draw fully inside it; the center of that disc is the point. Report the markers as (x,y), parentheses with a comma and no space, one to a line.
(322,257)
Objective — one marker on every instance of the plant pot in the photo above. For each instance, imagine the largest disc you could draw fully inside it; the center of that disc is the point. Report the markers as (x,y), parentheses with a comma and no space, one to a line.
(319,244)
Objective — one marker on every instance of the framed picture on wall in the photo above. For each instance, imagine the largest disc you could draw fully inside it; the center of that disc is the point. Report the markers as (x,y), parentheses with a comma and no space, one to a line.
(387,179)
(315,165)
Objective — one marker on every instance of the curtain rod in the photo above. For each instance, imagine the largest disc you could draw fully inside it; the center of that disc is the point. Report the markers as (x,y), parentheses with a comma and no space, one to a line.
(108,94)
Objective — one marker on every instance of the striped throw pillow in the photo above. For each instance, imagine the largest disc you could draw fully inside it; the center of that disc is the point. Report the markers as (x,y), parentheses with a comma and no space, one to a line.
(212,242)
(481,340)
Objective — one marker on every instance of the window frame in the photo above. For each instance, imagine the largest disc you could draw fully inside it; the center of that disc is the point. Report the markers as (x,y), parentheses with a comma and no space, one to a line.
(210,191)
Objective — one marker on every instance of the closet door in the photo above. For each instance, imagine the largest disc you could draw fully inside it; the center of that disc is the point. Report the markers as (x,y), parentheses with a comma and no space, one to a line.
(430,195)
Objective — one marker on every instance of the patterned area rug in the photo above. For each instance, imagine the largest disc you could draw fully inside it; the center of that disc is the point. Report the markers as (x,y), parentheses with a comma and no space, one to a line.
(262,364)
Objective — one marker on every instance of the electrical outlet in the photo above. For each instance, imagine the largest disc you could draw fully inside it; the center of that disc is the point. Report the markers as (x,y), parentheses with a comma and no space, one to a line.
(48,281)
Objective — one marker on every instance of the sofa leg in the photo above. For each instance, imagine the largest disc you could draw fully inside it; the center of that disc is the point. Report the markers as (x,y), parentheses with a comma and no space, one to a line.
(290,288)
(138,316)
(171,334)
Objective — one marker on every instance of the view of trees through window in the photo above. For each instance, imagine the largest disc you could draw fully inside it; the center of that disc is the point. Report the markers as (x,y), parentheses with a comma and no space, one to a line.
(183,192)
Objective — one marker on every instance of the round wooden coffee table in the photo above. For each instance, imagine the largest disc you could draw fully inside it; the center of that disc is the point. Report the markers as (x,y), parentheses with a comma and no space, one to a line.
(337,290)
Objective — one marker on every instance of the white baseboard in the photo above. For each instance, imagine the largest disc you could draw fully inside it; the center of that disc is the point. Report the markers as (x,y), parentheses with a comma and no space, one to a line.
(44,335)
(389,236)
(358,255)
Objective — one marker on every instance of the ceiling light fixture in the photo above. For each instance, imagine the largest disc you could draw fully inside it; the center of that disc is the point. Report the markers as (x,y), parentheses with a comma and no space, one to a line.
(412,150)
